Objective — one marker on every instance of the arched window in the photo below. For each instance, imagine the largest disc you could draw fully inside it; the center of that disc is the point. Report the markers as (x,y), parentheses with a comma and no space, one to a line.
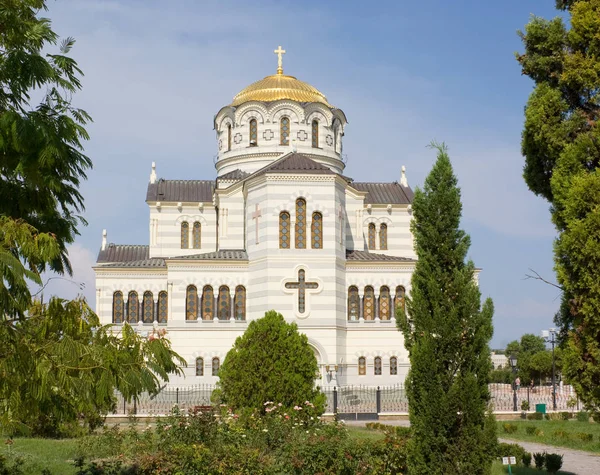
(377,368)
(284,131)
(315,133)
(284,230)
(371,235)
(185,235)
(228,137)
(197,235)
(191,303)
(393,365)
(240,303)
(163,309)
(384,303)
(300,223)
(133,307)
(224,304)
(362,366)
(199,366)
(353,304)
(316,230)
(399,301)
(148,306)
(383,236)
(369,303)
(216,364)
(118,307)
(253,133)
(208,303)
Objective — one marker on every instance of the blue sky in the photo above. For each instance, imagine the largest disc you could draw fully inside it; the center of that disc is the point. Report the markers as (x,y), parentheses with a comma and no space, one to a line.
(405,73)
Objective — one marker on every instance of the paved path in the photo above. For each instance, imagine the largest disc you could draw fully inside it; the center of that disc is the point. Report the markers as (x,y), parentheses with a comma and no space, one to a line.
(574,461)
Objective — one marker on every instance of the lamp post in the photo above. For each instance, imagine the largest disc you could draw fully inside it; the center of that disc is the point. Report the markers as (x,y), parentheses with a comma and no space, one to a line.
(512,359)
(550,337)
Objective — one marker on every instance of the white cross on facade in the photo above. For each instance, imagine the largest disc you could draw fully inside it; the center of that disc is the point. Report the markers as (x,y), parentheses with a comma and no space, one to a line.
(279,52)
(257,214)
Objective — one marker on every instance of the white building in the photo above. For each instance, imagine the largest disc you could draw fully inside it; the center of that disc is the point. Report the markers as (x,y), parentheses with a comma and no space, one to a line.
(280,227)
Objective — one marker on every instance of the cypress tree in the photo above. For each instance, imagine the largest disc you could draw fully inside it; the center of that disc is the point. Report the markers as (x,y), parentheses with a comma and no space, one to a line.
(446,332)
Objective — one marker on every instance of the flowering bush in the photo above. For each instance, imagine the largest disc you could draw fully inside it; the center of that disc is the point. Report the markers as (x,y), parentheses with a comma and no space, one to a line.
(221,441)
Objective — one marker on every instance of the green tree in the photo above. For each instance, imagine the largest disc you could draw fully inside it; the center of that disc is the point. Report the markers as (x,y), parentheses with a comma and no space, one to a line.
(56,361)
(562,155)
(446,331)
(42,156)
(271,361)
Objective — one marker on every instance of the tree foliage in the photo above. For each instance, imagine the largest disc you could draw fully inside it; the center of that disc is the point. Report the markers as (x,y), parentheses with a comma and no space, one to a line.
(42,155)
(562,157)
(57,362)
(446,332)
(60,364)
(271,361)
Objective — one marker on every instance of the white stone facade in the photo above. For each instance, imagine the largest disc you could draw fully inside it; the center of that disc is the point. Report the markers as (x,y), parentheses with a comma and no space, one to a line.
(364,242)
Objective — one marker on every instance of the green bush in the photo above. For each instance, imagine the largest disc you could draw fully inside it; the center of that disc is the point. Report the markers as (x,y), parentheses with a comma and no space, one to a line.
(554,462)
(539,458)
(583,416)
(585,437)
(530,430)
(536,416)
(13,467)
(554,416)
(561,434)
(525,405)
(510,428)
(511,450)
(565,416)
(596,416)
(527,459)
(271,361)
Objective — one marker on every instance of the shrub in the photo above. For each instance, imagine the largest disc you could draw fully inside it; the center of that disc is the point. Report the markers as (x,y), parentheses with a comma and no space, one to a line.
(527,459)
(585,437)
(536,416)
(511,450)
(530,430)
(560,434)
(565,416)
(596,416)
(539,459)
(539,432)
(583,416)
(554,462)
(525,405)
(277,355)
(554,416)
(13,467)
(510,428)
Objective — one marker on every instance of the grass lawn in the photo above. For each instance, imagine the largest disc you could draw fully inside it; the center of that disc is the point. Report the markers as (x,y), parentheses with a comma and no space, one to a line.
(55,455)
(557,433)
(499,469)
(362,433)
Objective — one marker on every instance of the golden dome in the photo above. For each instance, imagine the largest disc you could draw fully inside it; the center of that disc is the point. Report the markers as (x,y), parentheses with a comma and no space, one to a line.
(277,87)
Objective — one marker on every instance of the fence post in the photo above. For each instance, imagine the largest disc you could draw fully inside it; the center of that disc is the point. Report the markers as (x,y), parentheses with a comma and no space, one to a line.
(528,402)
(335,401)
(124,406)
(378,400)
(135,405)
(177,396)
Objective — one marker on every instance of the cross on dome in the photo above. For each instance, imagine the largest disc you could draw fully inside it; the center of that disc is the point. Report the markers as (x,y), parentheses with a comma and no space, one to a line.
(279,52)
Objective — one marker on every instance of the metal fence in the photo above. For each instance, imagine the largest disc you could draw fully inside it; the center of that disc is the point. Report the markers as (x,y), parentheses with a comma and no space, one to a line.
(352,402)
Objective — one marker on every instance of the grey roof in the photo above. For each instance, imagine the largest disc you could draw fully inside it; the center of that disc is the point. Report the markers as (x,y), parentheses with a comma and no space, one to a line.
(366,256)
(155,262)
(385,193)
(230,254)
(123,253)
(234,175)
(181,190)
(296,163)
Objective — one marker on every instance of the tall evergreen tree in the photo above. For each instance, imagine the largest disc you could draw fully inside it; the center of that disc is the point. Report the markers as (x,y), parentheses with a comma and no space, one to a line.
(561,145)
(446,332)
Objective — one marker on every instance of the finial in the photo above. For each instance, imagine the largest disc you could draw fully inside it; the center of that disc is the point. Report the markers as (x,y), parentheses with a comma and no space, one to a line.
(279,52)
(403,180)
(153,174)
(104,239)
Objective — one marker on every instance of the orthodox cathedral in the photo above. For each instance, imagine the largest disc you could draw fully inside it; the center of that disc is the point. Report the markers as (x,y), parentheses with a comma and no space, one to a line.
(279,227)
